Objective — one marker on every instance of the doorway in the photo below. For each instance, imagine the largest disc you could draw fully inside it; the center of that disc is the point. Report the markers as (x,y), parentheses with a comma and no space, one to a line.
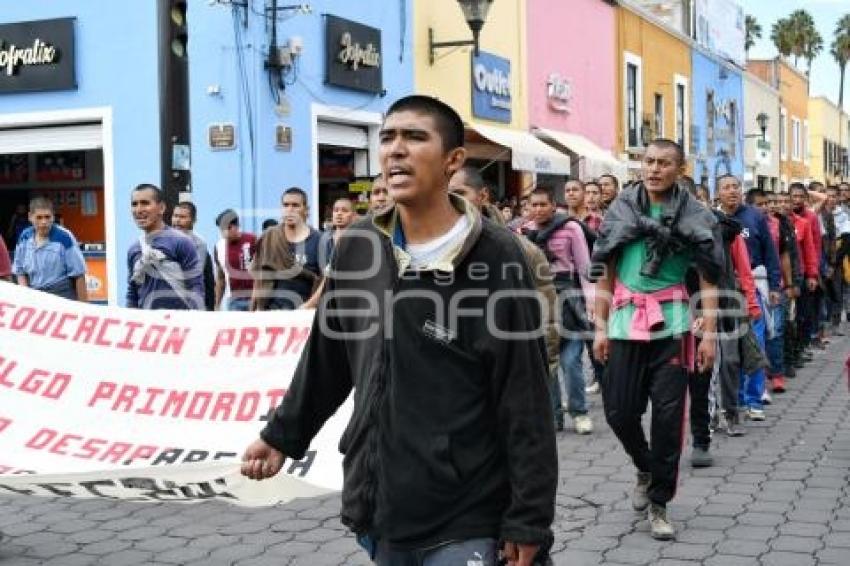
(341,176)
(345,158)
(73,181)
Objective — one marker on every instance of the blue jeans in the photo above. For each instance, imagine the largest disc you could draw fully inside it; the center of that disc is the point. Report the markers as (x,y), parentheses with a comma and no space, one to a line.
(477,551)
(752,386)
(775,347)
(571,352)
(239,304)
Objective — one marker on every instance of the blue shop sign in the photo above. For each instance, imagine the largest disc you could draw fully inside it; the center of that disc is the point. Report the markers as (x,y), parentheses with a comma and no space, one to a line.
(491,87)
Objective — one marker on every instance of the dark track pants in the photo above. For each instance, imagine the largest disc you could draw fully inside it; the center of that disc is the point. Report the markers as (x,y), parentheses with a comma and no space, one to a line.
(698,386)
(808,313)
(730,372)
(638,372)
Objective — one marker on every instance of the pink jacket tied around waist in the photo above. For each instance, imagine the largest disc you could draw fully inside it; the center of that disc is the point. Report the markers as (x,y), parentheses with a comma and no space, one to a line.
(648,315)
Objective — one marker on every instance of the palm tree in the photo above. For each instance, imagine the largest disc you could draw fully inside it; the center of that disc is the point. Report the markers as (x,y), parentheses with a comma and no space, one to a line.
(797,35)
(841,52)
(753,32)
(782,36)
(808,43)
(812,48)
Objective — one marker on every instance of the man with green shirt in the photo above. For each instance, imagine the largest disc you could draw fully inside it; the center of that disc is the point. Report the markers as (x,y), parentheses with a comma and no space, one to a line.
(653,232)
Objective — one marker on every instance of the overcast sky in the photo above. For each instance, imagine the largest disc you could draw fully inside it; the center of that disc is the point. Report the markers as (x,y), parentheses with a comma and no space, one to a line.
(825,13)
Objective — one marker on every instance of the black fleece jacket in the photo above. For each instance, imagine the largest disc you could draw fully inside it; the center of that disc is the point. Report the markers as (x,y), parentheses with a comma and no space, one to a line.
(451,435)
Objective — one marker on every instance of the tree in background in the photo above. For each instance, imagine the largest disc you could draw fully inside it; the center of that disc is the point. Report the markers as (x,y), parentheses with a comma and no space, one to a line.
(783,37)
(811,41)
(753,31)
(797,36)
(841,52)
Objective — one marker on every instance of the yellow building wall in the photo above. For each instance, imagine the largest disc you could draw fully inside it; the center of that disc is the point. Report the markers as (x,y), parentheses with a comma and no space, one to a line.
(663,56)
(818,126)
(826,122)
(450,77)
(794,97)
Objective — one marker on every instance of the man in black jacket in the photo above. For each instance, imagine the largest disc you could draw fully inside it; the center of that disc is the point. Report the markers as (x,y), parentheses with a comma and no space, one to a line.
(430,316)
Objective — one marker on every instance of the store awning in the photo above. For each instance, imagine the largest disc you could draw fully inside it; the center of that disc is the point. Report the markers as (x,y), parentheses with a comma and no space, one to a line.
(51,138)
(527,152)
(595,160)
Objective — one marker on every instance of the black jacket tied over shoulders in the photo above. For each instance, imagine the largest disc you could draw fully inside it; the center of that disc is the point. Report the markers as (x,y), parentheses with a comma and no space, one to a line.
(684,224)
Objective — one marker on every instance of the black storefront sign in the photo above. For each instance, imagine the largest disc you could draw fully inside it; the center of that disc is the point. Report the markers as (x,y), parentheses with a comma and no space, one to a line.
(36,56)
(353,55)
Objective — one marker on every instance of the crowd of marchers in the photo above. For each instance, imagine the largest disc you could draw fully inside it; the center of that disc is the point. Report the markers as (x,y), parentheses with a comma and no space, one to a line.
(674,294)
(666,290)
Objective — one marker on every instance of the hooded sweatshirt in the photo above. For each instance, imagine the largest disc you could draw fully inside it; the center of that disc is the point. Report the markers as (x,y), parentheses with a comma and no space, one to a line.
(756,234)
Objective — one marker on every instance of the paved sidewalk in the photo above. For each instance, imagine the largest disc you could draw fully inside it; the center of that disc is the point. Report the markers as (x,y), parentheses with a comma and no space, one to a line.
(778,496)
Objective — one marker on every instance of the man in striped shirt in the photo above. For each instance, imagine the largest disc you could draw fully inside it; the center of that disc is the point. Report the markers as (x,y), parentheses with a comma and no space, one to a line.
(163,265)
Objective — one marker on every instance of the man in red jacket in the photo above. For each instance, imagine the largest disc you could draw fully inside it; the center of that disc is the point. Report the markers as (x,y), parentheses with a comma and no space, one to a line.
(808,307)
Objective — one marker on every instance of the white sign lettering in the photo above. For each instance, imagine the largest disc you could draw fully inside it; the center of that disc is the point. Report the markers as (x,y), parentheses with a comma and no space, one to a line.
(12,56)
(355,55)
(560,92)
(493,81)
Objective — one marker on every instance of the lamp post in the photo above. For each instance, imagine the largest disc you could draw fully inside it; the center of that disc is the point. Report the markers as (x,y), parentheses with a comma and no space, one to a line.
(762,120)
(475,14)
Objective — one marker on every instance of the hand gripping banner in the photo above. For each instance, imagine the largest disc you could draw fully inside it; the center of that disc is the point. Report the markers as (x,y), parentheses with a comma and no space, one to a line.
(148,405)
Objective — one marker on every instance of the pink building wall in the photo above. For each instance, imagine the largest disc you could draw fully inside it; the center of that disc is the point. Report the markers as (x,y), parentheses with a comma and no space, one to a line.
(576,39)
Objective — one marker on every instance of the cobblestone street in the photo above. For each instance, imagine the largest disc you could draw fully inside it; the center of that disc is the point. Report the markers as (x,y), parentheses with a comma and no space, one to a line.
(777,496)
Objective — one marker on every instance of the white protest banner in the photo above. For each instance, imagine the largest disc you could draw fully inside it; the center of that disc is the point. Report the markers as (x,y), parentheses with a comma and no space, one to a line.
(184,483)
(155,402)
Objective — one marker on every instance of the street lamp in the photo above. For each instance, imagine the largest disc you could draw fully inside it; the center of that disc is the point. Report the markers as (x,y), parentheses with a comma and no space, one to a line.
(762,119)
(475,14)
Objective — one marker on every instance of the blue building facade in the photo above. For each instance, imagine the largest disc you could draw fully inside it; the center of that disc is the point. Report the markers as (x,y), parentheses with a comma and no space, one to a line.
(717,119)
(313,122)
(84,144)
(279,95)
